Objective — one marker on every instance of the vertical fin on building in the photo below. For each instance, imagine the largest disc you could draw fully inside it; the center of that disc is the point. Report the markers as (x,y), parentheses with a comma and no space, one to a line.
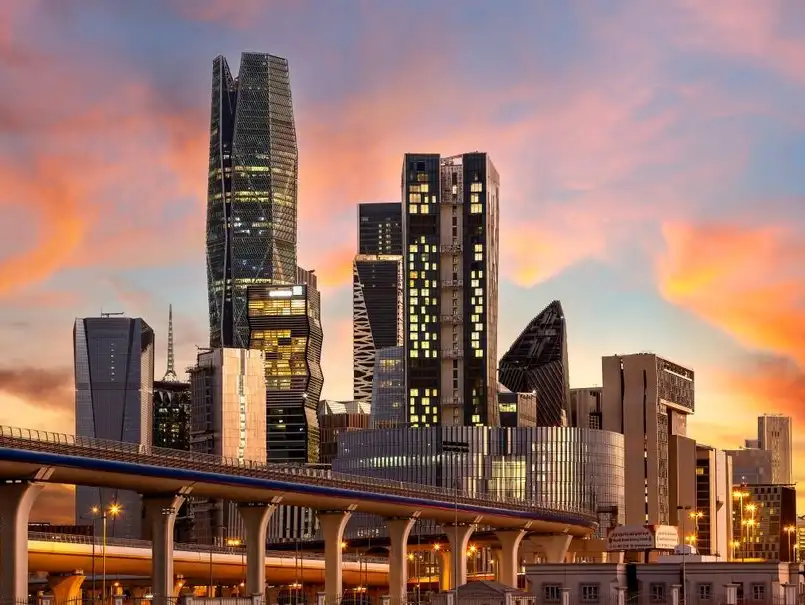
(170,373)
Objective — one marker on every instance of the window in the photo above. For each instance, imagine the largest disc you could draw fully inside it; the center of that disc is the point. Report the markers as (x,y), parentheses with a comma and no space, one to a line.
(758,592)
(705,592)
(656,592)
(589,593)
(551,593)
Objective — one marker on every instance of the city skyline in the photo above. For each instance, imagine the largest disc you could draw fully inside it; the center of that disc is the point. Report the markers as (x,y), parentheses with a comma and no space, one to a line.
(657,199)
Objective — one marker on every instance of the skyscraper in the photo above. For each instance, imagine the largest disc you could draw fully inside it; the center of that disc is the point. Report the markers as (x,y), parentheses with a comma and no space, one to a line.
(648,399)
(227,419)
(388,408)
(537,361)
(450,234)
(114,381)
(251,191)
(171,427)
(285,323)
(377,291)
(774,435)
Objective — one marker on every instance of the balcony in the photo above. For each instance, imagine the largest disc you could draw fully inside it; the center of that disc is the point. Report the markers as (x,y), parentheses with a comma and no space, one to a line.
(452,353)
(452,319)
(452,283)
(453,248)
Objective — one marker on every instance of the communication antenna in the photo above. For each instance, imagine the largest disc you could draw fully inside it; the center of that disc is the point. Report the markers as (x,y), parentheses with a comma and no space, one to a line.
(170,373)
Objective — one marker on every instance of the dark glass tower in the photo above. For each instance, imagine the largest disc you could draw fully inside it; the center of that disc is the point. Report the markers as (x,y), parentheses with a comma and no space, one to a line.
(251,191)
(377,298)
(380,228)
(114,381)
(537,361)
(450,227)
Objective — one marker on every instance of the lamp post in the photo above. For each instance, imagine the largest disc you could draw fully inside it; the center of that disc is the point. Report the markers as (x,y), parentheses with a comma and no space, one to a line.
(684,557)
(113,511)
(790,529)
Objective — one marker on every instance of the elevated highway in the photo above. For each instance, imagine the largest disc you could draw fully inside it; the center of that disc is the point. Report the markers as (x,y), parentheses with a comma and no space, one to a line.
(165,477)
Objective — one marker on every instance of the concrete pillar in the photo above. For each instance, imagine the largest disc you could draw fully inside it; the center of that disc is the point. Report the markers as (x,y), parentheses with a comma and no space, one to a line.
(790,594)
(399,530)
(66,587)
(564,597)
(555,547)
(445,569)
(16,500)
(676,594)
(509,555)
(160,514)
(731,594)
(459,538)
(332,531)
(255,520)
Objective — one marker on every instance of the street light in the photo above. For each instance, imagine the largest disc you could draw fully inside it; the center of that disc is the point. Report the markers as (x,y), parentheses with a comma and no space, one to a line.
(113,511)
(790,529)
(684,552)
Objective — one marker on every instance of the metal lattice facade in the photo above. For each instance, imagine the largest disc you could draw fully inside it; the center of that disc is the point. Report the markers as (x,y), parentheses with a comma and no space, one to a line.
(252,190)
(377,320)
(537,361)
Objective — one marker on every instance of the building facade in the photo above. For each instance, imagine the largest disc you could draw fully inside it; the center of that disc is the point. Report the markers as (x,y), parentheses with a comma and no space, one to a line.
(285,323)
(751,465)
(172,404)
(562,468)
(537,362)
(227,419)
(774,434)
(450,237)
(764,522)
(114,382)
(517,409)
(380,229)
(388,407)
(648,399)
(377,315)
(710,523)
(251,190)
(585,407)
(336,417)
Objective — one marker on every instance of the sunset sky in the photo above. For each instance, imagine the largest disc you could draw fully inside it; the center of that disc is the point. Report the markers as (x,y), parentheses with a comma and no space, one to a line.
(651,157)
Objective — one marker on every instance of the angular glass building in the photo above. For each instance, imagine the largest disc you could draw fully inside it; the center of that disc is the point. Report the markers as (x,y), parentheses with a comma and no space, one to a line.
(377,291)
(251,190)
(537,361)
(285,323)
(114,382)
(388,389)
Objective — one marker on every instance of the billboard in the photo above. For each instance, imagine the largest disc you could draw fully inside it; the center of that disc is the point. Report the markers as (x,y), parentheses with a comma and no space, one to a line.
(642,537)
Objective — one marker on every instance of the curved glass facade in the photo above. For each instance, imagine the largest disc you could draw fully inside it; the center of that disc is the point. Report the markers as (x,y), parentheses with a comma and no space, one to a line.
(571,469)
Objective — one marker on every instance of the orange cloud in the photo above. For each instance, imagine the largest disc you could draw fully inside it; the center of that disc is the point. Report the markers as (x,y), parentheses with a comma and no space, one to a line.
(750,282)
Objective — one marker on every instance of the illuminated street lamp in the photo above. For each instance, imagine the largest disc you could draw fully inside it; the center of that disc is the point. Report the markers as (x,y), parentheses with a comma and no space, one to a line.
(113,511)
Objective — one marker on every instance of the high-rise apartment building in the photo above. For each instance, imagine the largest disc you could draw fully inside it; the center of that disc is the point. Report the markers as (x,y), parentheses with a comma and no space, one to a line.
(774,435)
(710,522)
(114,381)
(228,419)
(537,362)
(251,190)
(377,291)
(648,399)
(450,236)
(285,323)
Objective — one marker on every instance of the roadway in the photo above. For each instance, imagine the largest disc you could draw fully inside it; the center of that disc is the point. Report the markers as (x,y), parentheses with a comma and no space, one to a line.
(55,553)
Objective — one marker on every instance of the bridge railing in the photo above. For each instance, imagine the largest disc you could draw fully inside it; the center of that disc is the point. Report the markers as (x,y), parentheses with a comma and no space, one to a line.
(31,439)
(183,547)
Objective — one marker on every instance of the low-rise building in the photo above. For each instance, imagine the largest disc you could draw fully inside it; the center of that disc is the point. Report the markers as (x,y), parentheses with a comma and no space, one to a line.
(705,581)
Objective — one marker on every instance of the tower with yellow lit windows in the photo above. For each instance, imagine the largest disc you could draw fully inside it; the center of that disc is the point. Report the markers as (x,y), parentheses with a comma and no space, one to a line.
(450,236)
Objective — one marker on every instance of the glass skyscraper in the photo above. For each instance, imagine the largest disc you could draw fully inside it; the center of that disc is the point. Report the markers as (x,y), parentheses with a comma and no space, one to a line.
(251,192)
(450,235)
(537,362)
(114,382)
